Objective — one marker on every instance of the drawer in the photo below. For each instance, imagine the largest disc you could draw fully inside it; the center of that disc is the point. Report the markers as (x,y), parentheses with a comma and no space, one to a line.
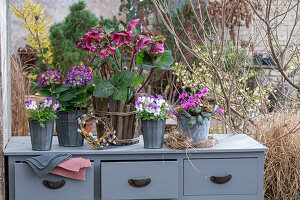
(28,186)
(115,178)
(243,180)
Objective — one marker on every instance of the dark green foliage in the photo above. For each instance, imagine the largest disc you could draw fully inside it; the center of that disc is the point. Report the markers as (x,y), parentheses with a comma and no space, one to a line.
(64,37)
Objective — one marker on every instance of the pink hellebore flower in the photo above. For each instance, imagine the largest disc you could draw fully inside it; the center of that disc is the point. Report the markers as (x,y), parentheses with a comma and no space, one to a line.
(119,38)
(132,24)
(93,36)
(158,47)
(142,43)
(106,51)
(125,68)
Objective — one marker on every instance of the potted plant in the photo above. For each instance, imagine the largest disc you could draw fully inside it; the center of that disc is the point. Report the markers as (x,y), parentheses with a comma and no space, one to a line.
(123,58)
(41,122)
(152,111)
(73,94)
(194,114)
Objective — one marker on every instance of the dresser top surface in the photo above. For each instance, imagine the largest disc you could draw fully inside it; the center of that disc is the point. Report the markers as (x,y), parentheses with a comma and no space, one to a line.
(21,145)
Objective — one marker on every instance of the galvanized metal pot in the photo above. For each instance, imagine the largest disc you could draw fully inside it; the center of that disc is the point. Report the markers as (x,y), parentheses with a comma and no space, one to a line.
(66,128)
(153,133)
(41,138)
(197,132)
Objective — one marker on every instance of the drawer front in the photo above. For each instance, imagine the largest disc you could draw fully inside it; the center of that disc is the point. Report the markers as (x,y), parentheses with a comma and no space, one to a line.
(28,186)
(163,175)
(243,173)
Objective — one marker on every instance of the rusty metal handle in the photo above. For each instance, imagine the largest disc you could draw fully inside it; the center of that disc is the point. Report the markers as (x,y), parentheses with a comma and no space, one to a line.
(54,185)
(139,183)
(220,179)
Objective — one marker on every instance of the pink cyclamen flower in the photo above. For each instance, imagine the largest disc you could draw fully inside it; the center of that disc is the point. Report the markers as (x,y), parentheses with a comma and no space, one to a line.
(142,43)
(183,95)
(158,47)
(132,24)
(220,111)
(106,51)
(125,68)
(204,90)
(119,38)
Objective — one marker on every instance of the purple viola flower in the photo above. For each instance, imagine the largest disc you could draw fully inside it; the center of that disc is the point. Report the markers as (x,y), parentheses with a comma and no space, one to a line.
(79,76)
(158,47)
(119,38)
(49,77)
(56,105)
(27,104)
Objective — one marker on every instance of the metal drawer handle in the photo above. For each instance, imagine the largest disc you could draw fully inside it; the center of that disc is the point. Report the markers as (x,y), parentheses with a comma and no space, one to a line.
(139,183)
(54,185)
(220,179)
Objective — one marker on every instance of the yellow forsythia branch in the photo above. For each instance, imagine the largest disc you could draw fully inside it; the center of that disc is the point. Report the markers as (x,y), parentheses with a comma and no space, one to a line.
(37,25)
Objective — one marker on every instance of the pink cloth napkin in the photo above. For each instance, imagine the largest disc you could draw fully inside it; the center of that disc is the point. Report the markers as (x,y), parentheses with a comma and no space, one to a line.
(73,168)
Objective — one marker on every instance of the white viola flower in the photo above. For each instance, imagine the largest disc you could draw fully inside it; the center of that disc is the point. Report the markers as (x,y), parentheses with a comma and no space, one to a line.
(160,102)
(148,109)
(141,98)
(156,112)
(48,102)
(33,106)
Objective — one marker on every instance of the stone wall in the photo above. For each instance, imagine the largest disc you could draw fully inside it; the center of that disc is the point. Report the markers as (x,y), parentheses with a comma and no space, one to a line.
(59,9)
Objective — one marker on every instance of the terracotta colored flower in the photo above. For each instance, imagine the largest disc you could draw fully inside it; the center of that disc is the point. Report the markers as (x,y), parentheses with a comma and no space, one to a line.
(158,47)
(119,38)
(132,24)
(106,51)
(142,43)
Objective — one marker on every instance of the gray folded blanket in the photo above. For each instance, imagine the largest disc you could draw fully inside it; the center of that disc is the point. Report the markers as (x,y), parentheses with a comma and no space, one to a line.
(43,165)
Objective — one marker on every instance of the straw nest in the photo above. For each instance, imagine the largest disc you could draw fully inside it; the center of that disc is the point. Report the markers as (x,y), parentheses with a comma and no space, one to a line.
(180,140)
(280,132)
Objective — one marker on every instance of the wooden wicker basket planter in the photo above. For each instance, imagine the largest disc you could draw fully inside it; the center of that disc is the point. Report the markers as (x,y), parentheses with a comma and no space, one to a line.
(122,117)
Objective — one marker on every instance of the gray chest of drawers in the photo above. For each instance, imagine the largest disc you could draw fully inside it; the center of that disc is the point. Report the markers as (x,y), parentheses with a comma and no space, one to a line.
(231,170)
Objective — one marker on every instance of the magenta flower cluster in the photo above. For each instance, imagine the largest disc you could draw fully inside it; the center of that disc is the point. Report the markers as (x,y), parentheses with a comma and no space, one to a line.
(79,76)
(91,41)
(192,101)
(49,77)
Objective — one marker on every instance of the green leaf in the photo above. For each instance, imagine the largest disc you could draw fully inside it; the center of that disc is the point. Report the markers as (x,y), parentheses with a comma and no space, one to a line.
(60,88)
(45,93)
(164,60)
(120,93)
(206,115)
(79,99)
(144,60)
(82,89)
(35,84)
(110,30)
(104,89)
(123,78)
(64,103)
(200,119)
(67,95)
(138,79)
(192,121)
(186,114)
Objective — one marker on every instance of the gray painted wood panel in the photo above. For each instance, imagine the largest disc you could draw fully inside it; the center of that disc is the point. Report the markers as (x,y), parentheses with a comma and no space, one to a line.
(163,175)
(29,187)
(249,149)
(227,143)
(243,181)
